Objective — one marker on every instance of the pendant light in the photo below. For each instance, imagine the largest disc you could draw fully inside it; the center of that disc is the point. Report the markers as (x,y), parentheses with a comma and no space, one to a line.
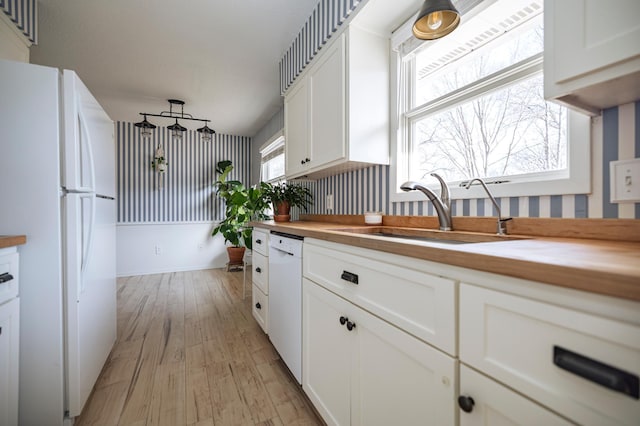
(206,133)
(146,128)
(177,130)
(436,19)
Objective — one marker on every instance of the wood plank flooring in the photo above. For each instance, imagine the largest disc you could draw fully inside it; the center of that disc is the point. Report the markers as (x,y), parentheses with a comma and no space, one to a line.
(190,353)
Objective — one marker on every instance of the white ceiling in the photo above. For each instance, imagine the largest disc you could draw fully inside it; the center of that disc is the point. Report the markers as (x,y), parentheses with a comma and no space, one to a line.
(219,56)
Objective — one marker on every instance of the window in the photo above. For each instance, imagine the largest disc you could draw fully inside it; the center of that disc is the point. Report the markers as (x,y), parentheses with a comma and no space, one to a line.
(472,105)
(272,159)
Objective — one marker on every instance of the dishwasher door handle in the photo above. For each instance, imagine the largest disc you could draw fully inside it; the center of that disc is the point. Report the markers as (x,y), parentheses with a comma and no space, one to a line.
(282,251)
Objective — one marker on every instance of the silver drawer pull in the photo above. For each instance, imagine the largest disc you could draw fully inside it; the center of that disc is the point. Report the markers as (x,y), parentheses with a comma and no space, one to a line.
(5,277)
(349,276)
(597,372)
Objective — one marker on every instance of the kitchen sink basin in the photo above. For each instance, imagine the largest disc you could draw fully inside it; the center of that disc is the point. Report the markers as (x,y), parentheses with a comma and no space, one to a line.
(427,235)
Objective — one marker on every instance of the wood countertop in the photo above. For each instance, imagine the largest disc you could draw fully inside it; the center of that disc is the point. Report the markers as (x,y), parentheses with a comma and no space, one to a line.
(12,240)
(595,265)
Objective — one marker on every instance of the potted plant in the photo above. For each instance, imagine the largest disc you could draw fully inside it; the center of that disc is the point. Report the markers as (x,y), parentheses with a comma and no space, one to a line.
(241,206)
(285,195)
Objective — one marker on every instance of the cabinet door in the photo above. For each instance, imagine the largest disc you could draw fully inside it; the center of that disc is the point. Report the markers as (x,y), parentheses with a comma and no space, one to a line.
(592,34)
(397,379)
(556,356)
(496,405)
(296,124)
(9,352)
(326,353)
(327,81)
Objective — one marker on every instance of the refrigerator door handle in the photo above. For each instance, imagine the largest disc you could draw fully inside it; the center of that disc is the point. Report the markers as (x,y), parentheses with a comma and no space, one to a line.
(85,143)
(89,232)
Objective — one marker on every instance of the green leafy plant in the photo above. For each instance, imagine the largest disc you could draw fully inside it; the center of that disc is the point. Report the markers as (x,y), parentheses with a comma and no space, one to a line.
(241,206)
(295,194)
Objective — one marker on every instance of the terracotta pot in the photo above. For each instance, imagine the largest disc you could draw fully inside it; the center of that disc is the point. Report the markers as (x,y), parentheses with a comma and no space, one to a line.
(236,254)
(282,208)
(281,211)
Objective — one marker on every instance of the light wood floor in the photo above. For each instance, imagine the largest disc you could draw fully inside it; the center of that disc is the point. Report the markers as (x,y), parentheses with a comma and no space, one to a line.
(190,353)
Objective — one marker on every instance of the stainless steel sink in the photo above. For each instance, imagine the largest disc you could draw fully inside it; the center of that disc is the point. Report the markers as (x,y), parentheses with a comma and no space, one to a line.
(427,235)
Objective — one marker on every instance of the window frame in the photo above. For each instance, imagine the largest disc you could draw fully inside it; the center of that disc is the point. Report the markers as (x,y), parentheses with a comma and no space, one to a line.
(275,144)
(576,179)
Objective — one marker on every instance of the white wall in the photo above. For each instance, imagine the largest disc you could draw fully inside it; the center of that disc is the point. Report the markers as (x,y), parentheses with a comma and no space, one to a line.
(182,247)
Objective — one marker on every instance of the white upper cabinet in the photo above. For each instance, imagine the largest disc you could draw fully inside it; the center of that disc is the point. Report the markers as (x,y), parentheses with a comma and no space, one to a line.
(327,106)
(337,112)
(296,123)
(592,53)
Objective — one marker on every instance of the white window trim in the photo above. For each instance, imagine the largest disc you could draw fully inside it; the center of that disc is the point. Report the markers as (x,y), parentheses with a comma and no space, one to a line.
(275,142)
(575,180)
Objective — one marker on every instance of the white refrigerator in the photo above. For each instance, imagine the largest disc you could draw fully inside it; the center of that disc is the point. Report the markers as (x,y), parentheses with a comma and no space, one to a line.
(57,186)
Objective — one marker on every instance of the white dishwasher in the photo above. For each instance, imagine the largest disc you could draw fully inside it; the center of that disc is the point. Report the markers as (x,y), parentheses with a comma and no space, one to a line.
(285,299)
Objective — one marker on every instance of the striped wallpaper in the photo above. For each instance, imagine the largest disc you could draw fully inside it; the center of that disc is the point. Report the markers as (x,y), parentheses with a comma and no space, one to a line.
(616,137)
(24,13)
(187,195)
(327,16)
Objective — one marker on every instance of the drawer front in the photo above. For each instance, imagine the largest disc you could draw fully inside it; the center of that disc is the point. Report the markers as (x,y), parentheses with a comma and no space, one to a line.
(417,302)
(261,241)
(260,272)
(260,308)
(518,342)
(8,277)
(494,404)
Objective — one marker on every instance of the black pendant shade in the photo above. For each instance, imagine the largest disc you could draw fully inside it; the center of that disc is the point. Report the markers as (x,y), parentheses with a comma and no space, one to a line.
(177,129)
(436,19)
(206,133)
(145,127)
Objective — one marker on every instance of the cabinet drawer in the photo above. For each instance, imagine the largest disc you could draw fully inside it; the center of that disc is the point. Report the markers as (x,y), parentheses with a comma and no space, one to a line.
(260,272)
(495,404)
(9,284)
(260,241)
(417,302)
(517,341)
(260,308)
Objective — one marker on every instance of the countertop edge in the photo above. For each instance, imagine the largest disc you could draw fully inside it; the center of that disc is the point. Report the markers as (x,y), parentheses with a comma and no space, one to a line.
(573,269)
(12,240)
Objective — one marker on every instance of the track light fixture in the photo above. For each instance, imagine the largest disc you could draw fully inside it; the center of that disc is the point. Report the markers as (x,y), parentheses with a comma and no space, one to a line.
(176,129)
(436,19)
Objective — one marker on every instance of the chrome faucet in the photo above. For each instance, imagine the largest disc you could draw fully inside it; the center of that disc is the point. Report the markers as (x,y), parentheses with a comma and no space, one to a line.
(442,204)
(502,226)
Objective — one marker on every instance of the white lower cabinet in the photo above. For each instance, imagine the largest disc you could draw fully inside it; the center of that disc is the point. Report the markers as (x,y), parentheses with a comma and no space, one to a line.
(393,340)
(488,403)
(361,370)
(9,335)
(582,366)
(260,308)
(9,352)
(260,278)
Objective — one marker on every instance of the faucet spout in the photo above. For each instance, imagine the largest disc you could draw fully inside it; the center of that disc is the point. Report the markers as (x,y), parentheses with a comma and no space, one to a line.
(442,204)
(502,227)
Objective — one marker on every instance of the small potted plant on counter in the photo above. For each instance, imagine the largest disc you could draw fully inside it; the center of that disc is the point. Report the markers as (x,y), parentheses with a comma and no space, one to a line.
(285,195)
(241,206)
